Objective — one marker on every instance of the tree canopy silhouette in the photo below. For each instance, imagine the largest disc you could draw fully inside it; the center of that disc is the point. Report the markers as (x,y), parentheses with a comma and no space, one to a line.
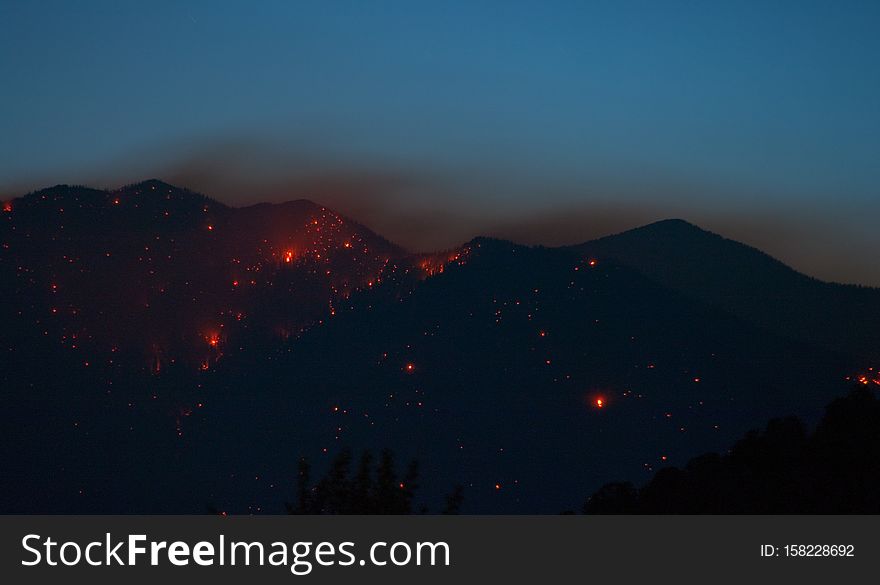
(373,487)
(782,470)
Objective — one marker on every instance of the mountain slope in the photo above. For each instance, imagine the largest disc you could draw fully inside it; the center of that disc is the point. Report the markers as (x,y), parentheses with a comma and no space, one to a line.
(488,373)
(157,338)
(749,284)
(168,274)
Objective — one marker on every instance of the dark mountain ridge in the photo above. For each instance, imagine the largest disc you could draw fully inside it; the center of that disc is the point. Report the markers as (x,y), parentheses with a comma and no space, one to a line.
(167,272)
(750,284)
(158,338)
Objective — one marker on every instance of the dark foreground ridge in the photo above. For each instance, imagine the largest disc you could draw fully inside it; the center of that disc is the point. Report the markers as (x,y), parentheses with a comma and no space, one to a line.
(786,469)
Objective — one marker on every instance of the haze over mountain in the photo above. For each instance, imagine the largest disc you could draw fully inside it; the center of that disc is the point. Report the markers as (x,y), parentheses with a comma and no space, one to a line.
(166,352)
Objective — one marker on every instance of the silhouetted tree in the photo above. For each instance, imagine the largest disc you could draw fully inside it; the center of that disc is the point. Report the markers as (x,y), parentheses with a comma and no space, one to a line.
(454,501)
(783,469)
(303,501)
(371,490)
(613,498)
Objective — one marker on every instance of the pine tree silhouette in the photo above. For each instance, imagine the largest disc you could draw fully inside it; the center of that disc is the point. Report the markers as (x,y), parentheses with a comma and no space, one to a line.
(372,489)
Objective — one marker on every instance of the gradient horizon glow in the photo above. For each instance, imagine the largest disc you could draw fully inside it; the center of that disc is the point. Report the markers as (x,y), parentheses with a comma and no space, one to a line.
(432,122)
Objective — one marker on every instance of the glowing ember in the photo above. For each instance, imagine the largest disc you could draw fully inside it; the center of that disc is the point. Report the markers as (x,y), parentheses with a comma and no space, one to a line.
(865,380)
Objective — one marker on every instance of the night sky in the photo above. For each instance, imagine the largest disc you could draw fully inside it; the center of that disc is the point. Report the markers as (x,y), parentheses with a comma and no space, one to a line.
(548,122)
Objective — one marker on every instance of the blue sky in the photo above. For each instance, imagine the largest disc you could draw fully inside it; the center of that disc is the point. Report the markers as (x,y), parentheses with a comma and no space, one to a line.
(758,119)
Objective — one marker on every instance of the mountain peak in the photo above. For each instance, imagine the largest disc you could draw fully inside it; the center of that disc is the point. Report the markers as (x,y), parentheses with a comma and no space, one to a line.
(65,192)
(671,226)
(156,190)
(675,222)
(158,187)
(152,185)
